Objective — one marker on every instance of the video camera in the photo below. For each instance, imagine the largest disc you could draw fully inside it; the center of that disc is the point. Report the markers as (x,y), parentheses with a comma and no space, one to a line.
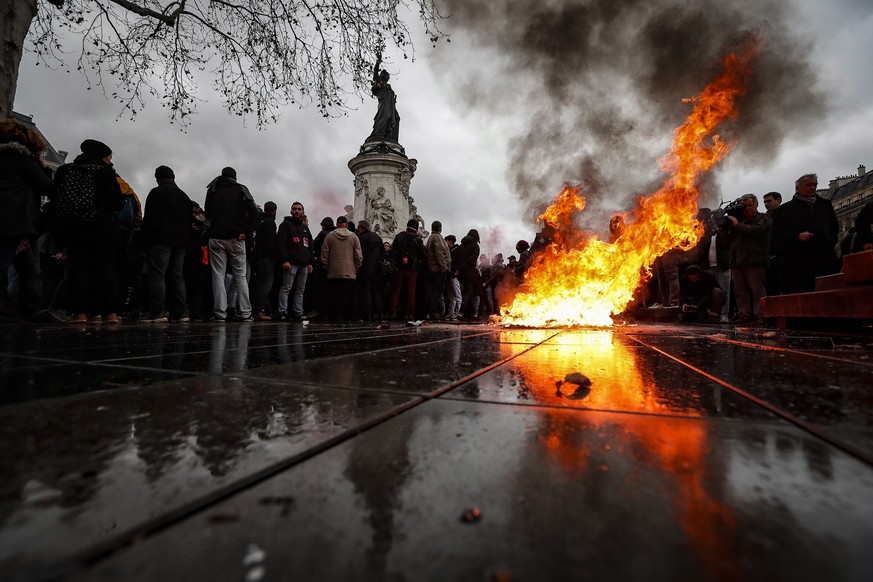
(733,208)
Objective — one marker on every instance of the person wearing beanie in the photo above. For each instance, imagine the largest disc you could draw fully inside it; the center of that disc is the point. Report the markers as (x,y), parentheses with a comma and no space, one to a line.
(232,213)
(438,263)
(408,253)
(464,268)
(369,299)
(294,253)
(165,233)
(96,149)
(87,200)
(342,257)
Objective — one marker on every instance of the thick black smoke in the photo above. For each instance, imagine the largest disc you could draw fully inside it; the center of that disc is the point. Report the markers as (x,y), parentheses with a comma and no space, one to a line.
(600,84)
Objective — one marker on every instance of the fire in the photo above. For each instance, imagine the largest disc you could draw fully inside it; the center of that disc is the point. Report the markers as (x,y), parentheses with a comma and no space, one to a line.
(581,280)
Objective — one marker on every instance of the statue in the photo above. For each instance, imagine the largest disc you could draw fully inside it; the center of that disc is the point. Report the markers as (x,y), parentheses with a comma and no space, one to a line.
(350,213)
(386,124)
(380,213)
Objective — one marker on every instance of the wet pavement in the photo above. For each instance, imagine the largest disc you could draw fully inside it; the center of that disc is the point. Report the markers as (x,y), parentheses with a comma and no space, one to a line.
(278,451)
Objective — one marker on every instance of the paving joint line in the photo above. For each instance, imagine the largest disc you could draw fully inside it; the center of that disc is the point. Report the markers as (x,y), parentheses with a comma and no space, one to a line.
(812,429)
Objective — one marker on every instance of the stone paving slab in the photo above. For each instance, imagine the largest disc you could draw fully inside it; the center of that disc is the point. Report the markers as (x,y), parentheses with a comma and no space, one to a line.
(563,495)
(82,470)
(348,452)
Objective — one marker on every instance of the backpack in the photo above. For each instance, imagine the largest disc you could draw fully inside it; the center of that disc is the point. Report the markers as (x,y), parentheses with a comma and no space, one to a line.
(406,251)
(76,195)
(126,217)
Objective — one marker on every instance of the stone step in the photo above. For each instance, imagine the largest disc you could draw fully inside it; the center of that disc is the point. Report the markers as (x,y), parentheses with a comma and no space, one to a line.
(854,302)
(858,268)
(829,282)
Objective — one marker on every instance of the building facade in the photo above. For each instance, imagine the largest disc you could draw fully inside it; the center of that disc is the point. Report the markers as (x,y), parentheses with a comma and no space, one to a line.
(849,194)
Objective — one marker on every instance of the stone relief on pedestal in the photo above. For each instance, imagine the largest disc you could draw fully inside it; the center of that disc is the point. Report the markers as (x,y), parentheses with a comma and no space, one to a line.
(380,213)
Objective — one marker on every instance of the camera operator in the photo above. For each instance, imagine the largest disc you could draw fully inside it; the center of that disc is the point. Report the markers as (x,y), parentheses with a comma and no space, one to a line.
(749,237)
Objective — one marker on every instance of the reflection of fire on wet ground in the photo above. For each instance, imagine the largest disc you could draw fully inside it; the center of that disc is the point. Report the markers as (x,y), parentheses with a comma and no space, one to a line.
(581,280)
(657,436)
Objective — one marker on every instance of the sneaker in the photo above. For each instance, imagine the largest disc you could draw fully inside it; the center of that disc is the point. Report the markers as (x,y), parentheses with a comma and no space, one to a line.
(301,317)
(111,319)
(723,319)
(246,319)
(283,316)
(78,318)
(185,318)
(95,319)
(160,318)
(216,319)
(262,316)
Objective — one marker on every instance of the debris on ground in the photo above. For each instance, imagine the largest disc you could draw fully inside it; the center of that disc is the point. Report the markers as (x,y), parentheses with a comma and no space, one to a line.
(578,385)
(471,515)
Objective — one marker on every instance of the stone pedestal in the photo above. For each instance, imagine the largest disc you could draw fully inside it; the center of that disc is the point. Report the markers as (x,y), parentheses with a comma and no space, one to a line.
(382,177)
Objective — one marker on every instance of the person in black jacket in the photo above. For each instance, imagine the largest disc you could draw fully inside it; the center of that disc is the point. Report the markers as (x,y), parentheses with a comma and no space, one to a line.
(93,240)
(408,252)
(806,231)
(23,180)
(294,252)
(464,262)
(369,298)
(231,212)
(165,233)
(265,260)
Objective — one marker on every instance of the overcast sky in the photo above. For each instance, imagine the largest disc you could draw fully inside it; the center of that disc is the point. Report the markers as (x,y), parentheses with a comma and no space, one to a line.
(528,95)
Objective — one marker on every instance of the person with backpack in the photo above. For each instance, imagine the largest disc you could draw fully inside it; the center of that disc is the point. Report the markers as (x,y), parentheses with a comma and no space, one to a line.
(165,235)
(88,199)
(408,251)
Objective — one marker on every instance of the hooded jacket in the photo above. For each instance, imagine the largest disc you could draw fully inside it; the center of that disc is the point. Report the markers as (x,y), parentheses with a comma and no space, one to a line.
(294,242)
(230,208)
(22,183)
(341,254)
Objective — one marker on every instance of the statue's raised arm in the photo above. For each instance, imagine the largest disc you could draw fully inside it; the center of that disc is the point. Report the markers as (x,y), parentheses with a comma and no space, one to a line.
(386,123)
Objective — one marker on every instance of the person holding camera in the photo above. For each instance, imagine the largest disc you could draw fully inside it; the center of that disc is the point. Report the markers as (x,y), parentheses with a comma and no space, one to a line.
(749,236)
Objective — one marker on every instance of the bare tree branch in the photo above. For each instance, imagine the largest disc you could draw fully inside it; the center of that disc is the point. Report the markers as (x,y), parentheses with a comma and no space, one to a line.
(261,55)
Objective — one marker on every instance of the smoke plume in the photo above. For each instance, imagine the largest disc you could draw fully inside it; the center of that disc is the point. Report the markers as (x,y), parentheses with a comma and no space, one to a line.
(600,83)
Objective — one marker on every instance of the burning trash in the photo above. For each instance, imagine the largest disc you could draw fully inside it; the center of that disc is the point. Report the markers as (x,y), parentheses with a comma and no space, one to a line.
(581,280)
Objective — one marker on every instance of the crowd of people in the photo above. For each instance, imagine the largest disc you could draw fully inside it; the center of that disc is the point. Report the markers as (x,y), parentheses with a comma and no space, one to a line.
(745,255)
(95,253)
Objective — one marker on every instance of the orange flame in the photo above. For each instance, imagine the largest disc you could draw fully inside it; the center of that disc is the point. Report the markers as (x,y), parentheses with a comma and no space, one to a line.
(579,280)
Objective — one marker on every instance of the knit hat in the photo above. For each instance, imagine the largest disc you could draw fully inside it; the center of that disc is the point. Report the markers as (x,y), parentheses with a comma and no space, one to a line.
(474,233)
(229,172)
(412,223)
(95,148)
(327,222)
(164,173)
(365,224)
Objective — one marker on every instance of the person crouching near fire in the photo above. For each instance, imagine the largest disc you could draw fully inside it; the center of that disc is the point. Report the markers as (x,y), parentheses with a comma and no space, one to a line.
(701,297)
